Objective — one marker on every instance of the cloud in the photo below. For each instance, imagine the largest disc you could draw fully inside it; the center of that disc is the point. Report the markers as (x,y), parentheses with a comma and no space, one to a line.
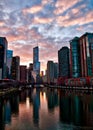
(63,5)
(33,9)
(42,20)
(68,20)
(1,24)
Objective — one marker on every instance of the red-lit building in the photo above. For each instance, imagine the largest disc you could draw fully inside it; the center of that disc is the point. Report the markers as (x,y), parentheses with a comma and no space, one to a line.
(86,54)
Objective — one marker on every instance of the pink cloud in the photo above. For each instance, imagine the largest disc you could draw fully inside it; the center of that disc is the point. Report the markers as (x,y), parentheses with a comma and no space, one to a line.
(12,38)
(1,24)
(33,9)
(62,5)
(67,21)
(42,20)
(44,2)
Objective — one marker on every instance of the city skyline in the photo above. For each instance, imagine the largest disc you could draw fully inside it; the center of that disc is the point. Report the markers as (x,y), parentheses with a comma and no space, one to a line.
(50,24)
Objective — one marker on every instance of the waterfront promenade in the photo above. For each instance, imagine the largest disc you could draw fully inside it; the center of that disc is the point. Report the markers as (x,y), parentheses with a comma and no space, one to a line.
(9,90)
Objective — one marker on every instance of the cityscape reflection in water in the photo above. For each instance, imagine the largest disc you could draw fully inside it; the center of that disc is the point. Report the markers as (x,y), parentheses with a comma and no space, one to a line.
(46,109)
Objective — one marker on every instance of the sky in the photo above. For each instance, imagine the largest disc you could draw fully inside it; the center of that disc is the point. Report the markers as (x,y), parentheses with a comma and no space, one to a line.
(50,24)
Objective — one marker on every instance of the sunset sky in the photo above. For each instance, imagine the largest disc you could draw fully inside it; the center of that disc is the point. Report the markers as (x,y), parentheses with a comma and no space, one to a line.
(48,23)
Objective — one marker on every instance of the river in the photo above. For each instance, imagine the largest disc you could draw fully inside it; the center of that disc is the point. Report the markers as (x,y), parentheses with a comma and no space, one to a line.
(46,109)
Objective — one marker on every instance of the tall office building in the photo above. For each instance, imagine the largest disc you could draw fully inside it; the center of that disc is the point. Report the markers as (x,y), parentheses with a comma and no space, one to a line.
(86,54)
(23,73)
(15,69)
(55,70)
(50,72)
(75,61)
(36,63)
(31,74)
(3,57)
(64,64)
(9,61)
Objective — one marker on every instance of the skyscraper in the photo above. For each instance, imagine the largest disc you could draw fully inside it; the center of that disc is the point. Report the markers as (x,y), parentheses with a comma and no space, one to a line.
(23,73)
(3,57)
(9,61)
(75,65)
(36,63)
(15,69)
(64,65)
(50,72)
(86,54)
(55,70)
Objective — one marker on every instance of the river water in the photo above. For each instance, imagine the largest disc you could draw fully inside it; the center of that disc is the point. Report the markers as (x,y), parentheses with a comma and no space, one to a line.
(47,109)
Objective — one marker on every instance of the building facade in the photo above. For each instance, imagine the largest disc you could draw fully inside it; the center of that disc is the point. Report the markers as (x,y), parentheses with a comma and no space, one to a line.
(64,64)
(86,54)
(36,63)
(9,62)
(23,73)
(50,72)
(30,76)
(75,61)
(3,57)
(15,69)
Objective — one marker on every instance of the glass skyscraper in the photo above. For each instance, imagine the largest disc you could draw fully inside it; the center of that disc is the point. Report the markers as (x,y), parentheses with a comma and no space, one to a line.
(50,72)
(86,54)
(64,64)
(75,62)
(9,61)
(36,63)
(15,69)
(3,57)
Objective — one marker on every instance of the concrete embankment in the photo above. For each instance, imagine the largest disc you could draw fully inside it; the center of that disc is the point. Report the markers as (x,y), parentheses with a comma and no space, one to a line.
(71,87)
(8,91)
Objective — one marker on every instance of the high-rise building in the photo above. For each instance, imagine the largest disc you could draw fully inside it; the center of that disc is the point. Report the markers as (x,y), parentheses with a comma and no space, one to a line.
(23,73)
(75,65)
(36,63)
(31,66)
(30,74)
(3,57)
(50,72)
(64,64)
(15,69)
(9,61)
(55,70)
(42,73)
(86,54)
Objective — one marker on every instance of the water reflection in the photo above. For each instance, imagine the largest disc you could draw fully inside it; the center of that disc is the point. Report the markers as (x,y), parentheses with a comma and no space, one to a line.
(52,99)
(36,105)
(7,112)
(2,124)
(28,102)
(75,109)
(46,109)
(9,106)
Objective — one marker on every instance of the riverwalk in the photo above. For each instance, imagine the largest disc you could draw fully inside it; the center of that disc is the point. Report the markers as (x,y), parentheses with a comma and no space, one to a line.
(8,91)
(70,87)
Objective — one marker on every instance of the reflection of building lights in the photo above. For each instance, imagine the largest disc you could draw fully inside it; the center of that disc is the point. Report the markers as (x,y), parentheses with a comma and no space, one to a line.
(44,96)
(34,92)
(43,100)
(27,102)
